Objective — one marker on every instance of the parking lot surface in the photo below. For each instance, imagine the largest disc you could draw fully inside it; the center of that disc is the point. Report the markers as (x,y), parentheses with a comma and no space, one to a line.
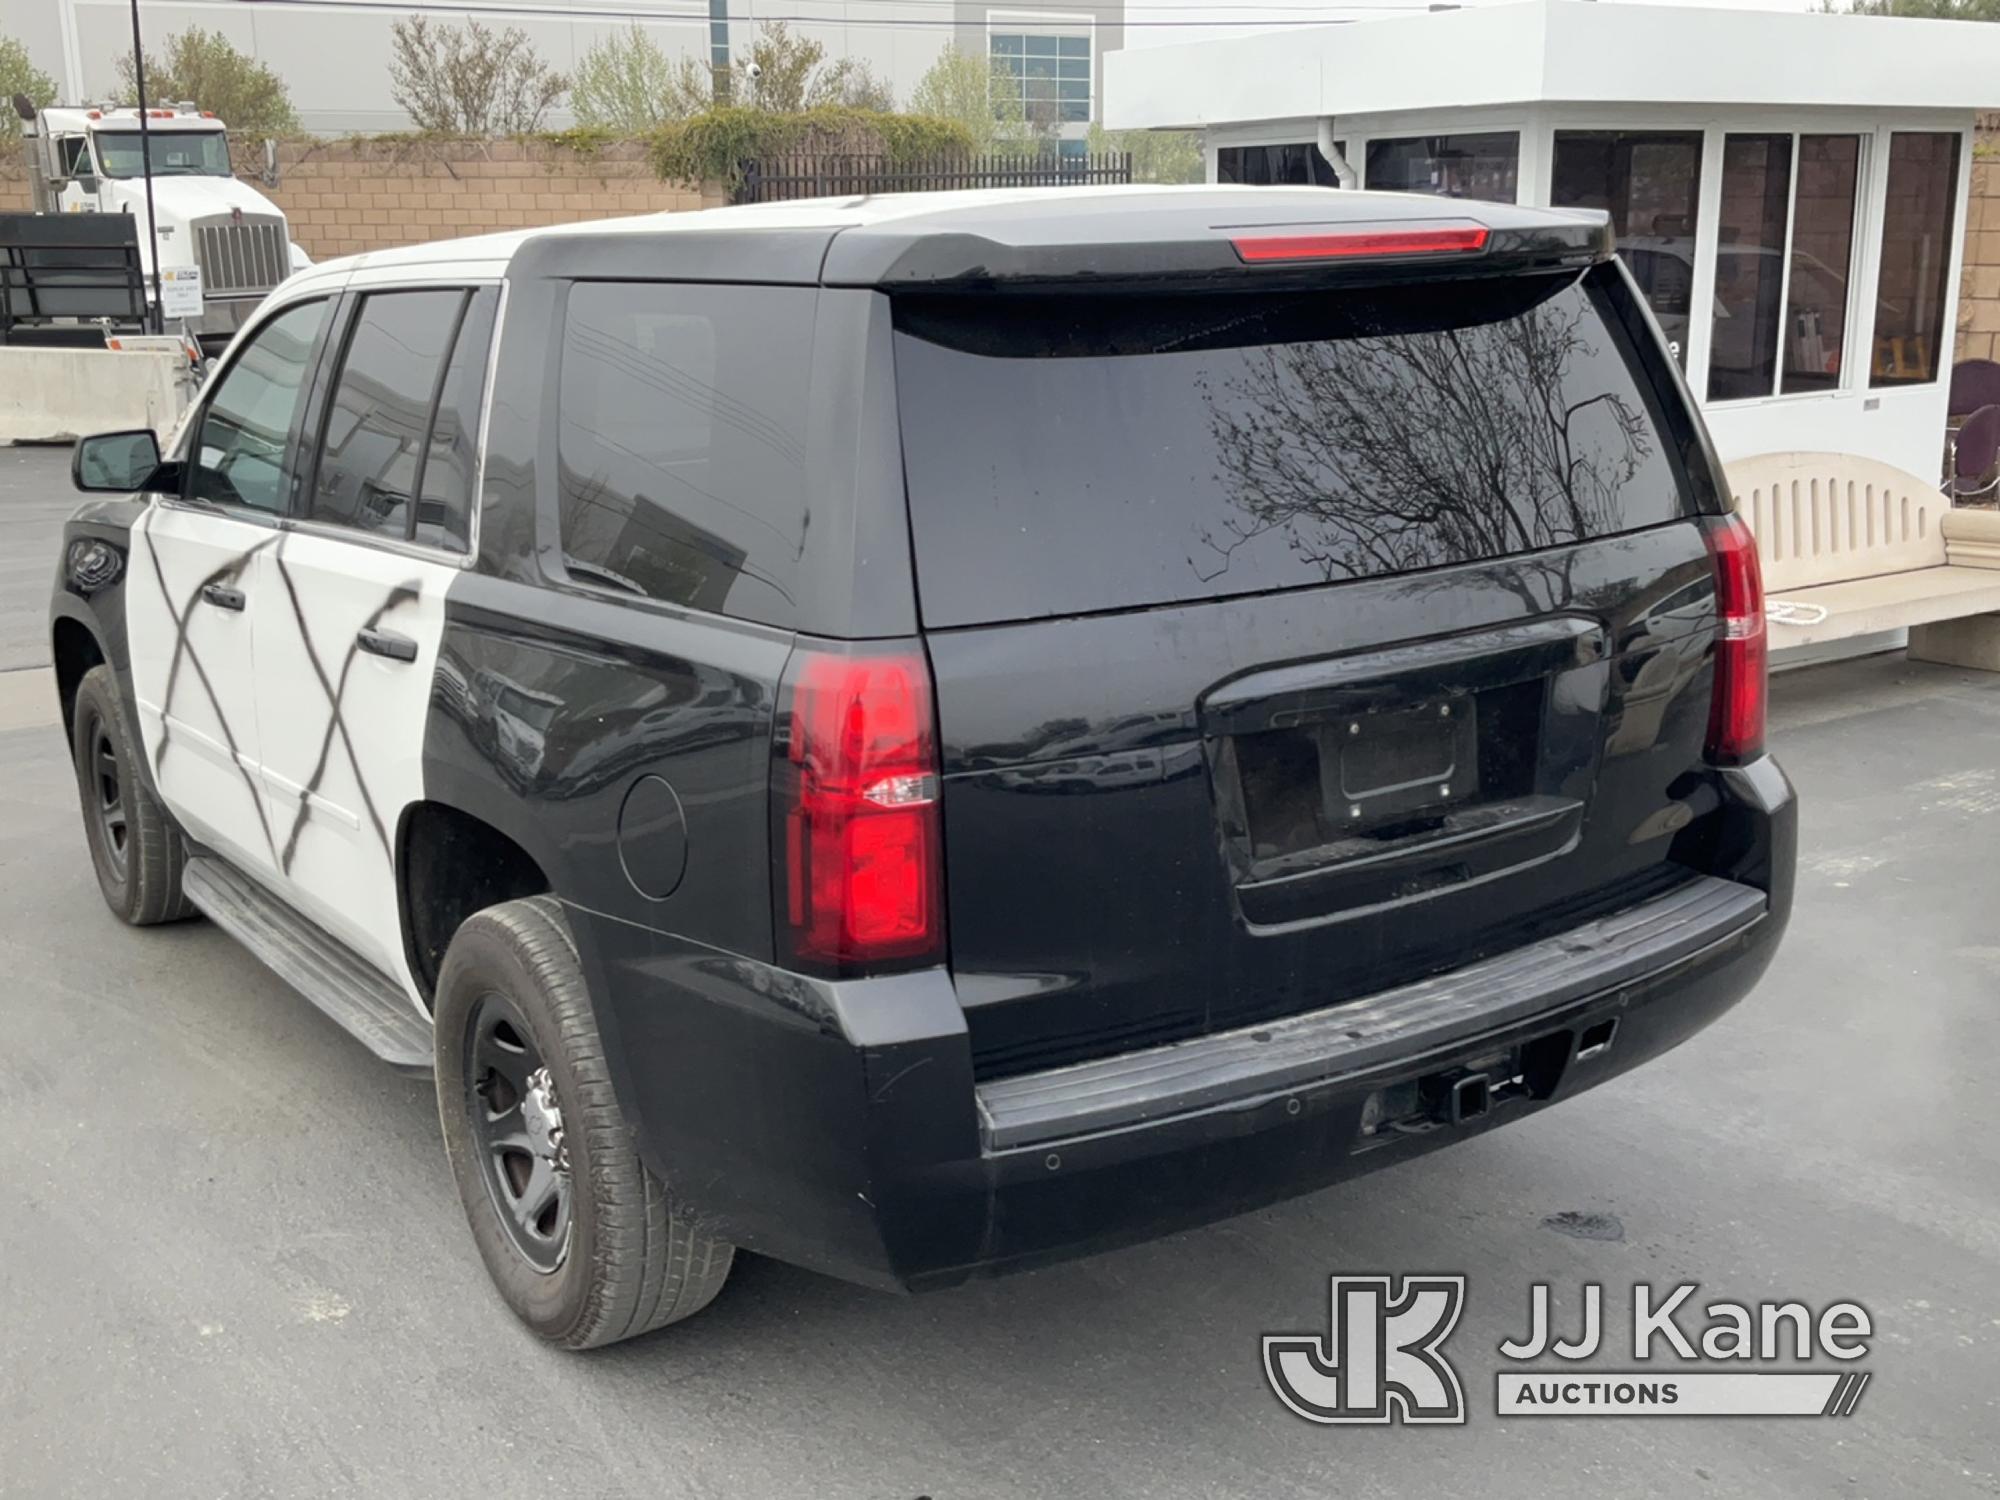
(232,1261)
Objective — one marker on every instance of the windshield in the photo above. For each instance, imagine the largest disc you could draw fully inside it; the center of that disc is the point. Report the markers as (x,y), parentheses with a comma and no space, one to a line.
(176,153)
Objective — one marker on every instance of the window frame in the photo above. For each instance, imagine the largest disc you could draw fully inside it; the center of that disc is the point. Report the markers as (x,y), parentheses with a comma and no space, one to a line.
(1958,205)
(1791,139)
(1058,27)
(1863,263)
(331,362)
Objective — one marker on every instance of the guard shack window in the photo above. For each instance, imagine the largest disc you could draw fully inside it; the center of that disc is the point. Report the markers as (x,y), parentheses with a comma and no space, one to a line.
(1486,165)
(1289,162)
(1649,181)
(1917,232)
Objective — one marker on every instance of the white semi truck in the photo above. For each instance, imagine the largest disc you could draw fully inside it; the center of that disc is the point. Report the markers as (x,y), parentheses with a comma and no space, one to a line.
(89,160)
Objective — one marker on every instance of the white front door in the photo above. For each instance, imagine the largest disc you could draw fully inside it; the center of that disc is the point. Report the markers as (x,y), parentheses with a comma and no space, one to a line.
(192,577)
(199,576)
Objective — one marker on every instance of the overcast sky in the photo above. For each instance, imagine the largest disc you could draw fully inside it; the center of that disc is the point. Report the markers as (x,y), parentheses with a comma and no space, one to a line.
(1194,20)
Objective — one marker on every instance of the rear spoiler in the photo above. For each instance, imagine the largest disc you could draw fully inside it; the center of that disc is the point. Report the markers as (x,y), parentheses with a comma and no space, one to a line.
(1238,257)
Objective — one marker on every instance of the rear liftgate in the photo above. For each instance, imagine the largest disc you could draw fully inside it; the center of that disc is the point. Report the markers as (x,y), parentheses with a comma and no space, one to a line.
(1347,786)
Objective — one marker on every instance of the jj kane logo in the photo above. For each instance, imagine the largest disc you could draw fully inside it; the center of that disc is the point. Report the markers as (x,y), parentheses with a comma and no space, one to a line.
(1382,1358)
(1380,1361)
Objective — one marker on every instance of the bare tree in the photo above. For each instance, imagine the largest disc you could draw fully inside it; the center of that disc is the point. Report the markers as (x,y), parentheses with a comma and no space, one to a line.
(850,84)
(470,80)
(1379,455)
(783,75)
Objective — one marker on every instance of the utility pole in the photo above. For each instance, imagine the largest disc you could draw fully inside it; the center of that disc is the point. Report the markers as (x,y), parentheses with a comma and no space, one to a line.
(157,323)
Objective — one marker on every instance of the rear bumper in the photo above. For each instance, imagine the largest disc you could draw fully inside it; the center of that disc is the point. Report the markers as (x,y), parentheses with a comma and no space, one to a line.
(838,1126)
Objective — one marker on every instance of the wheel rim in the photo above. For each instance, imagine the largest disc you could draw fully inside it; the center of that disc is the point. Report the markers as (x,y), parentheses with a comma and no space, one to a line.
(107,784)
(517,1132)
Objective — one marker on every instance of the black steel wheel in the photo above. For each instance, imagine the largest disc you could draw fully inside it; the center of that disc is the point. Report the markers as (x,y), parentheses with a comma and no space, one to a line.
(517,1132)
(584,1242)
(114,829)
(134,847)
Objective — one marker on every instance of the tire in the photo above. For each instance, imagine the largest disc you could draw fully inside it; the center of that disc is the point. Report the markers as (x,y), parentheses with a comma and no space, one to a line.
(135,848)
(618,1256)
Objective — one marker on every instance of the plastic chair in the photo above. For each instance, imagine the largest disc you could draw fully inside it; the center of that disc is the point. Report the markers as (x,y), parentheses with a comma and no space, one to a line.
(1974,383)
(1975,452)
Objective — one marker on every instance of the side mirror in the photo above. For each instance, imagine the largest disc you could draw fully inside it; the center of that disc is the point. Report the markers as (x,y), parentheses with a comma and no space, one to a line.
(87,182)
(117,462)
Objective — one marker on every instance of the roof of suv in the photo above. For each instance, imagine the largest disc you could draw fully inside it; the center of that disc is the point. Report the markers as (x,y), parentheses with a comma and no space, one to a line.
(1015,233)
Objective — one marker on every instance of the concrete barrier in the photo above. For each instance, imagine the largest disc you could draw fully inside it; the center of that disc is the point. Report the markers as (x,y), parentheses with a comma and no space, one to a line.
(56,395)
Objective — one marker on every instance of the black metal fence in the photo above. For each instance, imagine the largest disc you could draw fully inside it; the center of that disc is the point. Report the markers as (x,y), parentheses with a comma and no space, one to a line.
(774,178)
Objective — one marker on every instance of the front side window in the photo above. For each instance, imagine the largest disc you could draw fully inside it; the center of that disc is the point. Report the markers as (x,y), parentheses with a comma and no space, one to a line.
(175,153)
(1915,280)
(681,442)
(1485,165)
(1046,78)
(382,443)
(239,449)
(1649,181)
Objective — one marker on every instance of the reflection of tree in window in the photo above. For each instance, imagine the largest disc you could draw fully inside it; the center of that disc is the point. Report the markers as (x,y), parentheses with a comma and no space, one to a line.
(1376,455)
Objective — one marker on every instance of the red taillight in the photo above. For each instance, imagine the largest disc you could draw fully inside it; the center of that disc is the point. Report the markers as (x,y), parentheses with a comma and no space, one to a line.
(856,812)
(1736,712)
(1453,239)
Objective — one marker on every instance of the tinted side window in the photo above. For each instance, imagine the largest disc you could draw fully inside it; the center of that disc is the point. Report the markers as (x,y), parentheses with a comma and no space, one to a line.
(239,453)
(372,438)
(444,488)
(681,442)
(373,435)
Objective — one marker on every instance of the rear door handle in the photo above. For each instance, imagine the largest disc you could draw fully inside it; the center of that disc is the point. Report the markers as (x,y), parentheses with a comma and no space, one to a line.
(222,598)
(387,643)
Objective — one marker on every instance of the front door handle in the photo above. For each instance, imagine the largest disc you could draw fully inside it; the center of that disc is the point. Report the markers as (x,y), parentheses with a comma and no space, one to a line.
(387,643)
(222,598)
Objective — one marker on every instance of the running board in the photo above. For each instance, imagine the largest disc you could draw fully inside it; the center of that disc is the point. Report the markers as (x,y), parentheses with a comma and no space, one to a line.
(319,966)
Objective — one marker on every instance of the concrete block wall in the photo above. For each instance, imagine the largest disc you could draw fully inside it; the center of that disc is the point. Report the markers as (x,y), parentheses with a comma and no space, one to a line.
(346,196)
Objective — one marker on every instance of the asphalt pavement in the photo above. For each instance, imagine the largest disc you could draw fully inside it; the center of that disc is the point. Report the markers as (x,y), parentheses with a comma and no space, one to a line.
(232,1262)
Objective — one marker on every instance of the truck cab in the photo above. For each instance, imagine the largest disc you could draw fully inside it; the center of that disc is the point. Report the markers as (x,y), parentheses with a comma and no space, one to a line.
(93,160)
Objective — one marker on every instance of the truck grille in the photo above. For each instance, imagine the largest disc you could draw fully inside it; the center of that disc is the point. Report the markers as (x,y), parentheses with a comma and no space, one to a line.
(248,257)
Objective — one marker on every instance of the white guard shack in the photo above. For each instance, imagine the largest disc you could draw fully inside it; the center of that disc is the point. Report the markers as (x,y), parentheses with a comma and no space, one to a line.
(1789,191)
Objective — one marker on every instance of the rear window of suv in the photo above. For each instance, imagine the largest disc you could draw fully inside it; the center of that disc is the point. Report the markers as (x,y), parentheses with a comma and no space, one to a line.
(1067,453)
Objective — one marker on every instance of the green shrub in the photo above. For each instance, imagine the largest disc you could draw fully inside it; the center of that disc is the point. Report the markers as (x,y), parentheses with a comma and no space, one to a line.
(628,83)
(712,146)
(203,67)
(19,75)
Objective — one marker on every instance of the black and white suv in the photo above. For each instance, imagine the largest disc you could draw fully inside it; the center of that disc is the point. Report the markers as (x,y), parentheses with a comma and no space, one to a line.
(921,735)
